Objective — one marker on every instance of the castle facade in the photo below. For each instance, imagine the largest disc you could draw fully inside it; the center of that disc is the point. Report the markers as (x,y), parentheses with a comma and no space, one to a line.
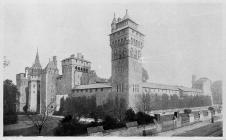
(39,87)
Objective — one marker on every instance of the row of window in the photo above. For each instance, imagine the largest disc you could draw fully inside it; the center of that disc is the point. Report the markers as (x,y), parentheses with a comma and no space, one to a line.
(76,60)
(90,90)
(136,42)
(81,69)
(135,88)
(119,69)
(160,90)
(77,68)
(119,87)
(122,52)
(124,40)
(119,41)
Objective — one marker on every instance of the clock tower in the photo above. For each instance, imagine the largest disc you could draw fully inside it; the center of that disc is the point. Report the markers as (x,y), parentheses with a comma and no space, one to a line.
(126,43)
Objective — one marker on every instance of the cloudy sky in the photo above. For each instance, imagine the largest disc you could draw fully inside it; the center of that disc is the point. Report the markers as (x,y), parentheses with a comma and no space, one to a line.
(181,39)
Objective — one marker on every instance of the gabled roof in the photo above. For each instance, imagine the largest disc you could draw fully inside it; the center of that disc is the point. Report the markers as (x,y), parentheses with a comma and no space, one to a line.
(159,86)
(51,65)
(171,87)
(93,86)
(189,89)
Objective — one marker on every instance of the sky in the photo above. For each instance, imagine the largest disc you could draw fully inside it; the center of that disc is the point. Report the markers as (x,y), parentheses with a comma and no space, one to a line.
(181,39)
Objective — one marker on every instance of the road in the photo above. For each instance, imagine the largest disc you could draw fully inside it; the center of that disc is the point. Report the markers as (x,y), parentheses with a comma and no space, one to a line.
(214,129)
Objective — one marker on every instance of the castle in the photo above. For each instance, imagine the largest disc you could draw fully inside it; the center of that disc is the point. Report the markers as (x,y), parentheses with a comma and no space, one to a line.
(39,87)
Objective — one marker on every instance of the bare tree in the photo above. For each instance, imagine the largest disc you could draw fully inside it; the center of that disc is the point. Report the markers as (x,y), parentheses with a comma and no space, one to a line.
(40,120)
(144,102)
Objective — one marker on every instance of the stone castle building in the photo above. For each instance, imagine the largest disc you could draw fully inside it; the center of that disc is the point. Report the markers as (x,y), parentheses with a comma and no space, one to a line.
(39,87)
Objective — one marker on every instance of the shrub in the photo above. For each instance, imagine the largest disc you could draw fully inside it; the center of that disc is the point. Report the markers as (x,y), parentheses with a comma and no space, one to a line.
(210,108)
(143,118)
(130,115)
(70,127)
(187,111)
(111,123)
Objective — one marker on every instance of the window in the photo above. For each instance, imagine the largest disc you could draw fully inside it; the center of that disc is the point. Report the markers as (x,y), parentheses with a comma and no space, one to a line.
(96,89)
(90,90)
(133,88)
(102,89)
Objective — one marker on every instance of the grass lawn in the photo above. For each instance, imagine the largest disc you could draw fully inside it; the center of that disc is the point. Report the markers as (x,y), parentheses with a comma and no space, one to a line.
(31,130)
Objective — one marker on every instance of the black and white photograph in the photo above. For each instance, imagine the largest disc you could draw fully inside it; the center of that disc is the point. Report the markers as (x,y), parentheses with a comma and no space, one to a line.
(112,69)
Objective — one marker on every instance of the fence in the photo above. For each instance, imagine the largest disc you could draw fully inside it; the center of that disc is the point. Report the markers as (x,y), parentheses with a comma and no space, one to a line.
(157,127)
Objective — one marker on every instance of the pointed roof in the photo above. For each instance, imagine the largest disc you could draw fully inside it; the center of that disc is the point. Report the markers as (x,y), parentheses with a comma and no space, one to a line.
(126,15)
(114,19)
(37,64)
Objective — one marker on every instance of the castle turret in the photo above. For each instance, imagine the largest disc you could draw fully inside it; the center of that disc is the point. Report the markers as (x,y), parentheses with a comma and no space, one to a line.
(36,68)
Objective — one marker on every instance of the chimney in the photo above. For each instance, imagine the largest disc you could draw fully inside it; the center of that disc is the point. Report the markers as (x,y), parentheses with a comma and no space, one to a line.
(26,72)
(55,60)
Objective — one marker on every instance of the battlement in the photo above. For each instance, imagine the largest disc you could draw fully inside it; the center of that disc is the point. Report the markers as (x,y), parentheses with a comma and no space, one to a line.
(21,76)
(122,23)
(79,61)
(32,77)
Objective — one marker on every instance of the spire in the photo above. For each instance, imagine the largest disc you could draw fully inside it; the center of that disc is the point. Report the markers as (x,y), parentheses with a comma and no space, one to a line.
(114,19)
(126,15)
(37,62)
(37,58)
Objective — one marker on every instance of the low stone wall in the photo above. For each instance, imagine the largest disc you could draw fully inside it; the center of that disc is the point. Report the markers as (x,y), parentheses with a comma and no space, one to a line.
(132,131)
(158,127)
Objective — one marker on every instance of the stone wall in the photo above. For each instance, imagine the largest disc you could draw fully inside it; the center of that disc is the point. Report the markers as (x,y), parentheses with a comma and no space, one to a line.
(22,86)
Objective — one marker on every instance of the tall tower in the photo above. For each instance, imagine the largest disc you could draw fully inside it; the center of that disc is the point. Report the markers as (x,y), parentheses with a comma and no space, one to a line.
(48,84)
(34,85)
(75,72)
(126,43)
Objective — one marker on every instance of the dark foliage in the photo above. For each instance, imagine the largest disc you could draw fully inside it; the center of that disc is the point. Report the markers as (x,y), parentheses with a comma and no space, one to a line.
(210,108)
(25,108)
(10,102)
(187,111)
(79,106)
(143,118)
(112,123)
(71,127)
(165,101)
(216,89)
(130,115)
